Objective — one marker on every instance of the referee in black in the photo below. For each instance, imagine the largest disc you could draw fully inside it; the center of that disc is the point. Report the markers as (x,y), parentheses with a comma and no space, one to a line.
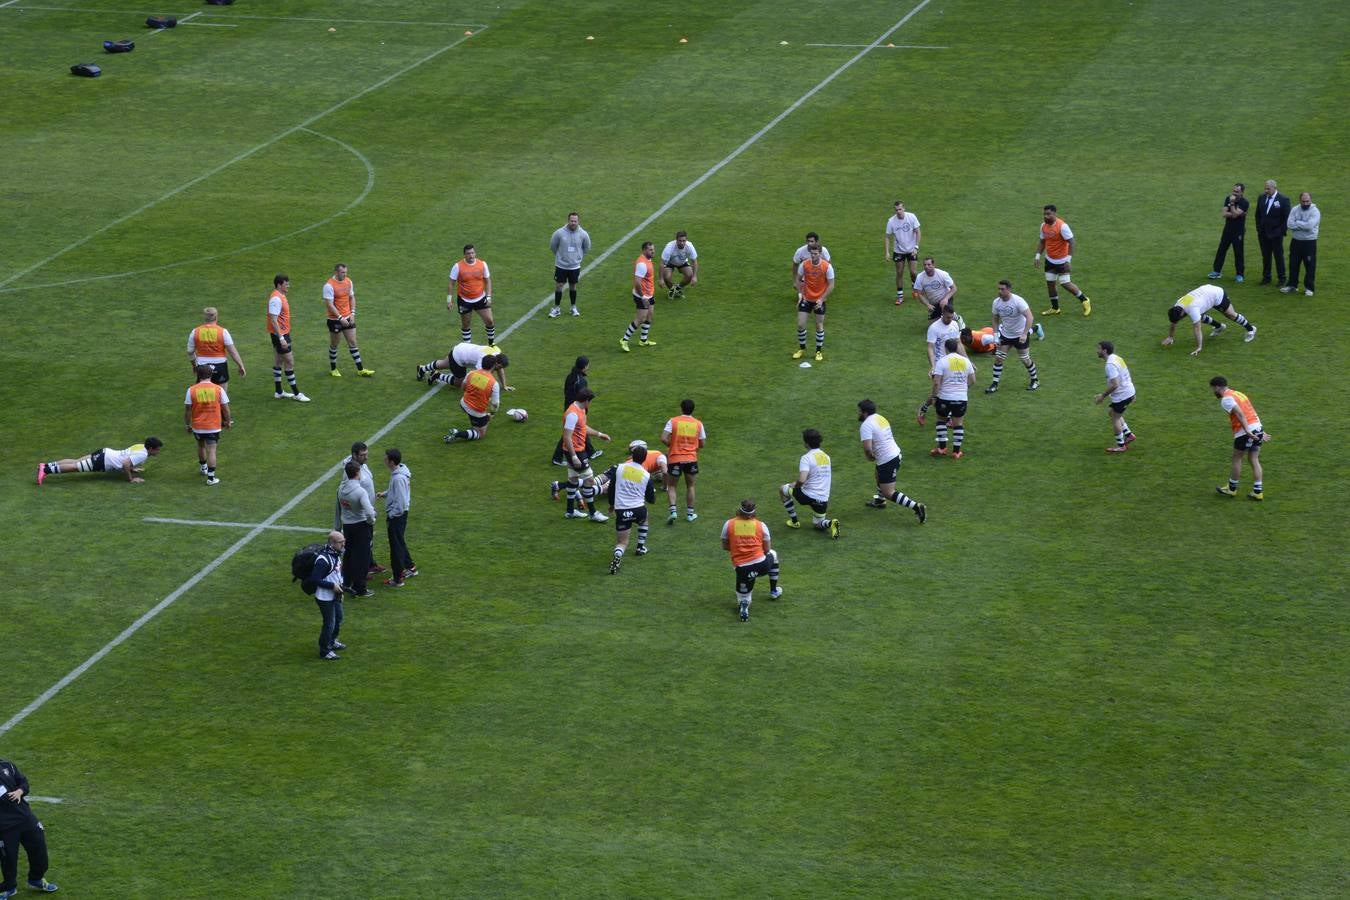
(18,826)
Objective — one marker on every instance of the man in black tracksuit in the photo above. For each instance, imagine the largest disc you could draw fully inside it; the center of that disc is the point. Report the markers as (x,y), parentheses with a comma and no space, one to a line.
(18,826)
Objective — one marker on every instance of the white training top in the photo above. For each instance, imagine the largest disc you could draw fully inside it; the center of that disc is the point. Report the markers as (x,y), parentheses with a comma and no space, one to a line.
(933,287)
(116,459)
(1012,315)
(674,256)
(876,429)
(803,253)
(630,485)
(192,346)
(954,369)
(938,334)
(469,355)
(1201,300)
(904,232)
(816,465)
(1116,368)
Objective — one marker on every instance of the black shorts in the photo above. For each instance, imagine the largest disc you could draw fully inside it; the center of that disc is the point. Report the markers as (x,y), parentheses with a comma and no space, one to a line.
(220,372)
(1224,304)
(950,409)
(887,471)
(1118,406)
(335,326)
(568,275)
(817,506)
(281,343)
(624,519)
(912,255)
(456,370)
(644,302)
(478,421)
(207,437)
(467,306)
(1056,268)
(935,311)
(676,267)
(746,575)
(808,306)
(685,468)
(1242,441)
(1019,343)
(96,459)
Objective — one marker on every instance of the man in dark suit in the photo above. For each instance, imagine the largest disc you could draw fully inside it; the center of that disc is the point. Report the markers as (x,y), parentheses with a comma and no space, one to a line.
(1234,230)
(1272,214)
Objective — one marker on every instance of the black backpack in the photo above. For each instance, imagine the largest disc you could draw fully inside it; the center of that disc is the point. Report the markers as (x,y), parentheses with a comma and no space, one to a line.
(302,566)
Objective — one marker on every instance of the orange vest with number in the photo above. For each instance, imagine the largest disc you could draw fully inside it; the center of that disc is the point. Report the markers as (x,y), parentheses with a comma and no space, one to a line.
(342,297)
(206,406)
(209,340)
(472,280)
(283,319)
(478,386)
(647,281)
(746,540)
(579,433)
(684,432)
(815,279)
(1245,411)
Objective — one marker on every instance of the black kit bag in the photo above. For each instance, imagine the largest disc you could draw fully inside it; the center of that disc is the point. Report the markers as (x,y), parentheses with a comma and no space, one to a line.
(161,22)
(86,70)
(302,566)
(119,46)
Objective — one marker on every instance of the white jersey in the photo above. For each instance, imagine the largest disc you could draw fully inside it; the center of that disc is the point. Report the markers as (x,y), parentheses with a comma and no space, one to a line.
(876,429)
(676,257)
(116,459)
(630,485)
(470,355)
(904,232)
(938,333)
(1201,300)
(933,287)
(955,371)
(816,465)
(804,253)
(1116,368)
(1012,316)
(206,360)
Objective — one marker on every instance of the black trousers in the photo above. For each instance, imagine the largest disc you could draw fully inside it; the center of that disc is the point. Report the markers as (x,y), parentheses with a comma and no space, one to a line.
(1272,247)
(356,562)
(1302,253)
(34,841)
(1235,241)
(400,559)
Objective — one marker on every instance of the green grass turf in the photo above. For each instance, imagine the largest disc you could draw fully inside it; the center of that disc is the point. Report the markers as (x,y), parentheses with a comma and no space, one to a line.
(1084,676)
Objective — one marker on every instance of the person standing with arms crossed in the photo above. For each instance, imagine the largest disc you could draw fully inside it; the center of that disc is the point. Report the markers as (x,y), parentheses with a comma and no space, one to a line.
(1304,222)
(19,826)
(569,244)
(1234,233)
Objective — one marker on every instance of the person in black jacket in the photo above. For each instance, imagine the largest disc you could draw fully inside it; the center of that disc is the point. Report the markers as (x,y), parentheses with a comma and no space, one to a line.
(1272,215)
(326,576)
(572,385)
(18,826)
(1234,231)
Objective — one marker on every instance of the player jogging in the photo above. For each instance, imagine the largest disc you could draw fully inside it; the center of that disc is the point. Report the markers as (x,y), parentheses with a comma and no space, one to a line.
(879,445)
(629,491)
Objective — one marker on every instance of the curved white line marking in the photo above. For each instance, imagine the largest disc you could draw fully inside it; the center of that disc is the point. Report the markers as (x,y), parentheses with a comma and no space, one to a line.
(370,183)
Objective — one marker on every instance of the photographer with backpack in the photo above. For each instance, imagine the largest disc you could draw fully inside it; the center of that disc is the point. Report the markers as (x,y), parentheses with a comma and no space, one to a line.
(326,580)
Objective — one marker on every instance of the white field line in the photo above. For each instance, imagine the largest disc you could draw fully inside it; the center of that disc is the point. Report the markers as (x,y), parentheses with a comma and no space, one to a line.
(888,46)
(37,798)
(234,524)
(208,24)
(238,158)
(370,183)
(327,477)
(209,15)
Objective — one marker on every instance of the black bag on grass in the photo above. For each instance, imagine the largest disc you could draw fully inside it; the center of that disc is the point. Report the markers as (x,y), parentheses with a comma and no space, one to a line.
(161,22)
(119,46)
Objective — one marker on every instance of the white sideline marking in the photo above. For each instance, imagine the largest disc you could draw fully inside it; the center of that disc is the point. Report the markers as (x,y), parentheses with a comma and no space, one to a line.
(209,15)
(370,183)
(36,798)
(238,158)
(894,47)
(234,524)
(327,477)
(208,24)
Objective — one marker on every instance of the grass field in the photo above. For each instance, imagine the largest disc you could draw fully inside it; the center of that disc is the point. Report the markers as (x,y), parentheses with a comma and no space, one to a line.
(1084,676)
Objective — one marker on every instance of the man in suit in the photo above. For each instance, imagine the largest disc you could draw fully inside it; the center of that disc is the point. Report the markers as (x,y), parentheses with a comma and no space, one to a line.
(1272,214)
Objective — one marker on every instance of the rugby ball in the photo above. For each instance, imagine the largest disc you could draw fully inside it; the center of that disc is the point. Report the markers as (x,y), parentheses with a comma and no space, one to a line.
(519,415)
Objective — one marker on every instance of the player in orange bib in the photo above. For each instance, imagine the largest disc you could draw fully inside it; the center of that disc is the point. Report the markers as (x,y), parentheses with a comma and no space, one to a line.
(482,397)
(684,435)
(470,291)
(1248,436)
(815,283)
(1057,243)
(746,538)
(210,344)
(982,341)
(339,295)
(644,297)
(279,330)
(206,411)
